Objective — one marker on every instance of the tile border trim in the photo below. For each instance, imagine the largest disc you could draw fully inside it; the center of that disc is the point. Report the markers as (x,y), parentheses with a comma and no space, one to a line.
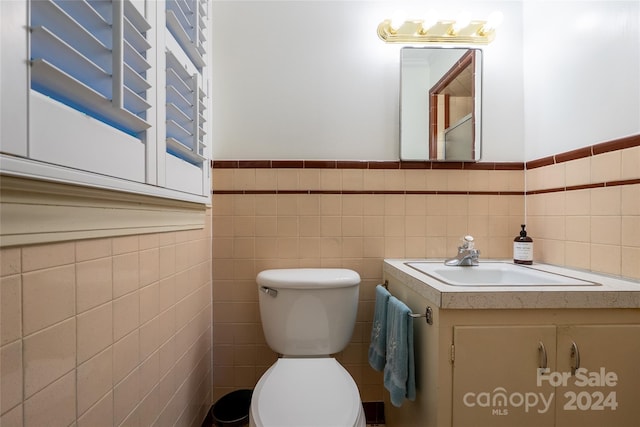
(362,164)
(604,147)
(580,153)
(375,192)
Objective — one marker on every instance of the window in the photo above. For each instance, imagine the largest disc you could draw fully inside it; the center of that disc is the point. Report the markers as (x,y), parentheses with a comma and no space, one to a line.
(114,94)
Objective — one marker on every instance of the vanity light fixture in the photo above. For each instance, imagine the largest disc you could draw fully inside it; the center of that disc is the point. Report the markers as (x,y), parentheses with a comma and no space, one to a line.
(443,31)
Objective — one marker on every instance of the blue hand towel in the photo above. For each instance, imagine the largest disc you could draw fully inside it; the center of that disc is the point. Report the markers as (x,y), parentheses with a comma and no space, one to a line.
(378,345)
(399,372)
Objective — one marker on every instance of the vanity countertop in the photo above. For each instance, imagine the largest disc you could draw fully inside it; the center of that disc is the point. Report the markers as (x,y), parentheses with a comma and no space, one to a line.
(612,293)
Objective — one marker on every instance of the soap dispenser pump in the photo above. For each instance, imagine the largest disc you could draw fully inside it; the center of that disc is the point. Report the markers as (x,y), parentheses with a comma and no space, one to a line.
(523,248)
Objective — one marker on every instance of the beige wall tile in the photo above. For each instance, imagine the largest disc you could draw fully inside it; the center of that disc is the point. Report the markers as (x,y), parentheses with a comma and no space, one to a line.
(149,338)
(53,406)
(168,239)
(578,255)
(10,309)
(606,201)
(309,248)
(352,180)
(308,204)
(149,302)
(457,180)
(415,225)
(630,265)
(578,228)
(374,179)
(478,180)
(244,205)
(415,180)
(69,326)
(605,230)
(11,380)
(578,172)
(394,180)
(287,247)
(630,199)
(125,244)
(500,205)
(287,179)
(149,266)
(95,331)
(222,179)
(330,179)
(265,226)
(167,261)
(94,380)
(606,258)
(126,355)
(149,373)
(100,414)
(630,232)
(48,355)
(578,202)
(126,396)
(308,179)
(287,226)
(266,179)
(126,315)
(44,256)
(10,261)
(244,179)
(606,167)
(93,283)
(309,226)
(630,163)
(12,417)
(48,297)
(126,274)
(415,204)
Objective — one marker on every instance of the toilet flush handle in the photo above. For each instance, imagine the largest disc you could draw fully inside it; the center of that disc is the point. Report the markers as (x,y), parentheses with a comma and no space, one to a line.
(269,291)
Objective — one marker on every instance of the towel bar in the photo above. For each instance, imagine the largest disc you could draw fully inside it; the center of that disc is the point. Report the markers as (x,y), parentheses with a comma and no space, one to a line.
(428,311)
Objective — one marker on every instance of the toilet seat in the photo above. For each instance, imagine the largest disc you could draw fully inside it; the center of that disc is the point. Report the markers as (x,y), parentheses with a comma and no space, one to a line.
(305,392)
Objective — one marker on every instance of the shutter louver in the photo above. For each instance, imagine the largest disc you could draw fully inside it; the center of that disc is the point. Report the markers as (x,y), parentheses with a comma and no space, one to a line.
(184,110)
(185,21)
(73,58)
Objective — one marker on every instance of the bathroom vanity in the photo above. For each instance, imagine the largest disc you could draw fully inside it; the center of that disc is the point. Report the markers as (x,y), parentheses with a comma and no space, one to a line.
(537,353)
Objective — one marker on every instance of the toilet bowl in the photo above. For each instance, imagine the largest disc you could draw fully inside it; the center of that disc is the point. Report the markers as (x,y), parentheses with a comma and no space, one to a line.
(306,392)
(307,315)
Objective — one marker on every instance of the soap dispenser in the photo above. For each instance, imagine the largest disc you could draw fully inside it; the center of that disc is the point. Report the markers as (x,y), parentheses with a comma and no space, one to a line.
(523,248)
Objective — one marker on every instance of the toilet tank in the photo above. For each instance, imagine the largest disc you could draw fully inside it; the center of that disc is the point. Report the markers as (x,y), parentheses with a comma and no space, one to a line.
(308,311)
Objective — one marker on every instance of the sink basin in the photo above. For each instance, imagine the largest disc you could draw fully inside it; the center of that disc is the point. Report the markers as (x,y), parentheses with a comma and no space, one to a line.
(495,274)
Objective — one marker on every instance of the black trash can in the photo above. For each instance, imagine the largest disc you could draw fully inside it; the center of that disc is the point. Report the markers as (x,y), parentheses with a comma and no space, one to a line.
(232,409)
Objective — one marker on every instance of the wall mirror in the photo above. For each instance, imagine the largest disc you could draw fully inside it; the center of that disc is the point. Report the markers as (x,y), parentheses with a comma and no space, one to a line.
(440,104)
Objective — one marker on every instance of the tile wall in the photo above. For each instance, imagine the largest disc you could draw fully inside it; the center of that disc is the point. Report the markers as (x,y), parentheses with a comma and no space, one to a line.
(283,214)
(583,208)
(107,332)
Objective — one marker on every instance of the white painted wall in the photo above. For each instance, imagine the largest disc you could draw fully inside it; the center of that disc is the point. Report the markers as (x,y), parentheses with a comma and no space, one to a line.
(311,80)
(581,73)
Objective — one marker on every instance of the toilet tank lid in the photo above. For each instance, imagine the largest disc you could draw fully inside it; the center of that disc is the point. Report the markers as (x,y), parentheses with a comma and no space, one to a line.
(305,278)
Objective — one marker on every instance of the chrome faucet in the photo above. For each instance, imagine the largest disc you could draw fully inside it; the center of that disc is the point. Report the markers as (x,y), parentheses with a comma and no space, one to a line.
(467,254)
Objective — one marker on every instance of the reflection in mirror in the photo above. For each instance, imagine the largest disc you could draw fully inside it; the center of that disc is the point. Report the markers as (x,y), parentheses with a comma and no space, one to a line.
(440,99)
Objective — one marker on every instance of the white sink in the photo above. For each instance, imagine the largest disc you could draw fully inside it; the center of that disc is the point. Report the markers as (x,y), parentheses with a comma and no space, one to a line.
(495,274)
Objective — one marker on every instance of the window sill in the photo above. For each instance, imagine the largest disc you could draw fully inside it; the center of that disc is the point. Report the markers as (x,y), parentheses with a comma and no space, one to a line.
(34,211)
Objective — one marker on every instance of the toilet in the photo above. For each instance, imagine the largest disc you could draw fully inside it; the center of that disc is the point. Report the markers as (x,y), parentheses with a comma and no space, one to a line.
(307,315)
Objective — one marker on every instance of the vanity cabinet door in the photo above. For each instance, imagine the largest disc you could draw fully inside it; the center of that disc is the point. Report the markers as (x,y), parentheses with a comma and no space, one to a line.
(605,385)
(495,372)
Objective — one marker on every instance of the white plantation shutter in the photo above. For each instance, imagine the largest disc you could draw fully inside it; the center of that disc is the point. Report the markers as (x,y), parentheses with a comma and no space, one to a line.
(186,94)
(116,94)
